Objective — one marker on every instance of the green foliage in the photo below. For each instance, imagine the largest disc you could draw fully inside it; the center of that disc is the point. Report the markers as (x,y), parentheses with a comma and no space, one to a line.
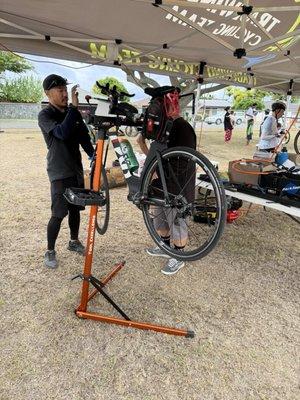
(111,81)
(25,89)
(243,99)
(13,63)
(277,96)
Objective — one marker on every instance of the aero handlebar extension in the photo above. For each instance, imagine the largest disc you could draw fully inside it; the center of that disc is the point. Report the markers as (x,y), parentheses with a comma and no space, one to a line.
(112,92)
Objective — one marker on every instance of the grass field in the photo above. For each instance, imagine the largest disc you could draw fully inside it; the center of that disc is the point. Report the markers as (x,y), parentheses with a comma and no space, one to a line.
(242,300)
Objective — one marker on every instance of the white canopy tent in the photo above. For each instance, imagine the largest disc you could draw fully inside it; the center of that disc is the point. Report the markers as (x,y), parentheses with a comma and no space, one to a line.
(255,44)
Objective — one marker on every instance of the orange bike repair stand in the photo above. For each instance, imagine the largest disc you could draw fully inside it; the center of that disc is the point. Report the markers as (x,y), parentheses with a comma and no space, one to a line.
(99,285)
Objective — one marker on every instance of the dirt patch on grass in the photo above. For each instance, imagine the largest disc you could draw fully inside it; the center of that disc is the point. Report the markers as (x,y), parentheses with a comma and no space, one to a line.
(242,301)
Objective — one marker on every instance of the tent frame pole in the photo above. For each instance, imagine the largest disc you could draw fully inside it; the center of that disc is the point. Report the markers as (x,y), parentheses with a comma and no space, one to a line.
(200,80)
(288,102)
(88,278)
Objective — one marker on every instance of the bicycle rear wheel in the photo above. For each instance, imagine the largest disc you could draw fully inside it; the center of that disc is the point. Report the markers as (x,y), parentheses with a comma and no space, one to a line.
(297,143)
(287,138)
(102,218)
(194,211)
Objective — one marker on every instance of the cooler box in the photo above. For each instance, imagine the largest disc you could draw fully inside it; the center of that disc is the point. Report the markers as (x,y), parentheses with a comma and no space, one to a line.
(242,177)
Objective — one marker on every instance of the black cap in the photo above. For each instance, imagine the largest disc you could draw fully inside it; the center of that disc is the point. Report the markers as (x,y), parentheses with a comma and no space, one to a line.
(53,80)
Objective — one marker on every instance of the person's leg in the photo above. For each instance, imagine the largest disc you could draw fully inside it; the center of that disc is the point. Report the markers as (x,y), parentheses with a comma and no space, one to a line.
(249,131)
(225,136)
(162,228)
(59,210)
(228,133)
(179,236)
(74,224)
(53,229)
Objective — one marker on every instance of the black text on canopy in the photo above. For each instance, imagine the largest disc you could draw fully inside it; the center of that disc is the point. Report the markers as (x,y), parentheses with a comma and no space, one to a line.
(252,43)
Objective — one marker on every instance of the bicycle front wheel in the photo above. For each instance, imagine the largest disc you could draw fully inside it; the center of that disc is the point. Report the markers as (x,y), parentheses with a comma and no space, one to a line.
(297,143)
(191,209)
(103,212)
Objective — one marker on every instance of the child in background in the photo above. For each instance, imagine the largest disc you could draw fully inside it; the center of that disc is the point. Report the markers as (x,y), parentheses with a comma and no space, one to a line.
(250,114)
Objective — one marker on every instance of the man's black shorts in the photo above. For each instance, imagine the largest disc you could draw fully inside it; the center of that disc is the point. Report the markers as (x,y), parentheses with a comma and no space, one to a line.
(59,205)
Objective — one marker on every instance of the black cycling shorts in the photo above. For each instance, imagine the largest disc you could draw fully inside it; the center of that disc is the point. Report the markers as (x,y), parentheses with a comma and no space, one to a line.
(59,205)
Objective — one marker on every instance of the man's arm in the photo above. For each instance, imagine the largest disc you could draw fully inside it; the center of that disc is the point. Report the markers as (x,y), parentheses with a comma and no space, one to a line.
(85,140)
(62,131)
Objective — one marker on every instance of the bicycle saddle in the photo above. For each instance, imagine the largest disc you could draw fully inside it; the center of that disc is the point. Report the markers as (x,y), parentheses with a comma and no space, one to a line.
(160,91)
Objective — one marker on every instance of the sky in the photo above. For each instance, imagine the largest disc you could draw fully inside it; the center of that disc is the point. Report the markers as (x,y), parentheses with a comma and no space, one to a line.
(86,77)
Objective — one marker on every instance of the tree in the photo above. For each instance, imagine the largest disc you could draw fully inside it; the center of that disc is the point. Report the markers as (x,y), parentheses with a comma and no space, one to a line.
(112,82)
(25,89)
(186,85)
(243,98)
(277,96)
(13,63)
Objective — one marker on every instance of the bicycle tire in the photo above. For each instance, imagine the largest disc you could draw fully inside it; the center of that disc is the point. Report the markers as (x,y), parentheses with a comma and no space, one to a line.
(297,143)
(102,218)
(287,139)
(203,164)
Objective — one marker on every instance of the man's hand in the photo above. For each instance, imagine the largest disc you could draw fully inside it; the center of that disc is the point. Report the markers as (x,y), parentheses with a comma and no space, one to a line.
(74,95)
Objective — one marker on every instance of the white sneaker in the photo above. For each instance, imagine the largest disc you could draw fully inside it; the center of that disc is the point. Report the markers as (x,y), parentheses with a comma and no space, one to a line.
(156,252)
(172,266)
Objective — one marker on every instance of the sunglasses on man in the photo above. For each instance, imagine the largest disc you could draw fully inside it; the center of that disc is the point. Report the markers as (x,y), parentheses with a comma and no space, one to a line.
(56,83)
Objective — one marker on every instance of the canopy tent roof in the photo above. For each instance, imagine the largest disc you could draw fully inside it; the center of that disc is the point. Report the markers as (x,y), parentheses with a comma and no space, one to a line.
(255,44)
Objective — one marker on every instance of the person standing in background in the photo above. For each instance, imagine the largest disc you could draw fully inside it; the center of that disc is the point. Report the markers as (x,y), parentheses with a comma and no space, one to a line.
(228,126)
(271,136)
(250,114)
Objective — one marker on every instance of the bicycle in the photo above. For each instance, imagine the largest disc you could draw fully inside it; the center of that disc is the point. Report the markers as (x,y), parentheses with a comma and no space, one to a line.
(161,188)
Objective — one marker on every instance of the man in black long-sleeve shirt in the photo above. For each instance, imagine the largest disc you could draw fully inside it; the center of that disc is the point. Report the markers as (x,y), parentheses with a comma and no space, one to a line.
(63,130)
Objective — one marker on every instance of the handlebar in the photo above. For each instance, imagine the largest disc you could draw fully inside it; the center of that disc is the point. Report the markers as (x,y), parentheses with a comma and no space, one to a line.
(116,105)
(112,92)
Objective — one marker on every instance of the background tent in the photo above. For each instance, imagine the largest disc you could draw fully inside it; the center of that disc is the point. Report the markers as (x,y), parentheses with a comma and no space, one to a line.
(253,45)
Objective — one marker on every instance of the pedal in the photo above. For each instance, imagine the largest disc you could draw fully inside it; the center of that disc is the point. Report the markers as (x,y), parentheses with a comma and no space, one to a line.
(84,197)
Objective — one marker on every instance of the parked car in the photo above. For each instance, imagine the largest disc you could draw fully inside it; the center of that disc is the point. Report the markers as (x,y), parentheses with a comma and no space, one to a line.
(239,117)
(215,119)
(219,118)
